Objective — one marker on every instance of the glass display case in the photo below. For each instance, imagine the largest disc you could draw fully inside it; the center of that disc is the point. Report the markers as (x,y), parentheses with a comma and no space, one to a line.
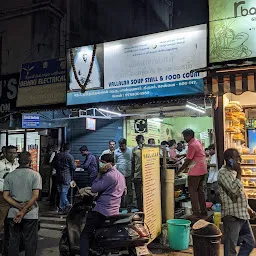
(249,174)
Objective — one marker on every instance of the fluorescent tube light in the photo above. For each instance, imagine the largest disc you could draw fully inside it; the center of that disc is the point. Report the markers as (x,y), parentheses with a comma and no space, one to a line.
(110,112)
(157,119)
(195,108)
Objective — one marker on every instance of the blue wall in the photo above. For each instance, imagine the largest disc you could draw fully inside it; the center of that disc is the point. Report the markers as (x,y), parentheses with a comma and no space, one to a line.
(96,141)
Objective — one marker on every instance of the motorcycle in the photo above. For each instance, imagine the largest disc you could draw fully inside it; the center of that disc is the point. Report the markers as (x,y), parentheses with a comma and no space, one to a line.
(123,234)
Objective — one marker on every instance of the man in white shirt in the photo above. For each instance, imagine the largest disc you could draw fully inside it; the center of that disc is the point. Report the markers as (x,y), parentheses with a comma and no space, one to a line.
(7,165)
(213,194)
(111,149)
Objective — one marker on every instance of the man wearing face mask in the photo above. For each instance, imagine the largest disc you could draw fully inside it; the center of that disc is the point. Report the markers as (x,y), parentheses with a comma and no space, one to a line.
(110,186)
(137,170)
(235,208)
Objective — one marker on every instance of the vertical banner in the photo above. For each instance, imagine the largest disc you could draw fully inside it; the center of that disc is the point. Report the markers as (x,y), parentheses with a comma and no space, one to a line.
(152,190)
(33,150)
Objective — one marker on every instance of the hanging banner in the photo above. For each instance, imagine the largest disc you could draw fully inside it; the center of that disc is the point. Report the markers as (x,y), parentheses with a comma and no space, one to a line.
(42,83)
(33,150)
(150,66)
(152,190)
(232,30)
(8,93)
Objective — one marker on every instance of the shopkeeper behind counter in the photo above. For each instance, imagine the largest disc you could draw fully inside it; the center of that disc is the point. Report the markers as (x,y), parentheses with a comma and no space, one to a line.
(197,169)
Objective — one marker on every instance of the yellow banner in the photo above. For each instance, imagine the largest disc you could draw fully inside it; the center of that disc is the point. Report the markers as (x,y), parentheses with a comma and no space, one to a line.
(152,190)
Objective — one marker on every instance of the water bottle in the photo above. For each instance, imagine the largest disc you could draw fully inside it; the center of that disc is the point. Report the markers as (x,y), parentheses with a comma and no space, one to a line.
(217,215)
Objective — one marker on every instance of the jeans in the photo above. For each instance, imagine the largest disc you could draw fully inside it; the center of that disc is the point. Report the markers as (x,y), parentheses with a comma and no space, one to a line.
(54,197)
(63,191)
(237,231)
(94,220)
(138,192)
(27,231)
(197,197)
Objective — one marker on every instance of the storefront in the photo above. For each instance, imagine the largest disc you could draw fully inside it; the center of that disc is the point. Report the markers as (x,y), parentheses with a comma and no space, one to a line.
(238,109)
(147,83)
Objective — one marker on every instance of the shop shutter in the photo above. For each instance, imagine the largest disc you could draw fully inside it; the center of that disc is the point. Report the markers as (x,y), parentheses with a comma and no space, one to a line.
(230,82)
(96,141)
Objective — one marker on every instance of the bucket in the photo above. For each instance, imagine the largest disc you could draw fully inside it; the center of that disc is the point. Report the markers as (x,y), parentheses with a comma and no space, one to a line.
(178,234)
(206,245)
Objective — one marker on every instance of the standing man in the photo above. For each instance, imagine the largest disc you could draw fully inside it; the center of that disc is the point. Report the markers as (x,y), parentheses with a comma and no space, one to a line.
(123,161)
(21,190)
(110,186)
(213,194)
(111,149)
(137,170)
(7,165)
(3,153)
(195,162)
(235,209)
(64,174)
(90,164)
(54,196)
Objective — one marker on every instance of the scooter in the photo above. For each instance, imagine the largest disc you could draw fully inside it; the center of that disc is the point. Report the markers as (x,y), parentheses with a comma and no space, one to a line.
(123,234)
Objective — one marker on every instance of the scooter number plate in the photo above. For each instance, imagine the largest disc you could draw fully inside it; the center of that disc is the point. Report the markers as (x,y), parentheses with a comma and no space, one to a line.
(142,250)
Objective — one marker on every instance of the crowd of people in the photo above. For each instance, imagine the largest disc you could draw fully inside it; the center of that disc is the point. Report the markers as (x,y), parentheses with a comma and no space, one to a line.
(113,176)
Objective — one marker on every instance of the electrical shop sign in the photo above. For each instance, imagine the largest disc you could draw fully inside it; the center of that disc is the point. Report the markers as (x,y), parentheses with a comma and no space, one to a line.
(232,30)
(156,65)
(42,83)
(8,93)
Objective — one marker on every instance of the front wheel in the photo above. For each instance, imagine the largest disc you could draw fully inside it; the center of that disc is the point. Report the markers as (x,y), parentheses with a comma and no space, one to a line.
(132,252)
(63,245)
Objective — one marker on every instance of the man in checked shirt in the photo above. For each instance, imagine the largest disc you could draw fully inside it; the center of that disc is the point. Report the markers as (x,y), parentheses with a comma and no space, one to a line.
(235,209)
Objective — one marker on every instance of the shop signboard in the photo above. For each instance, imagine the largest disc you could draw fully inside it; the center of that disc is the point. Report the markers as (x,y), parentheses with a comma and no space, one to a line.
(152,190)
(90,124)
(232,30)
(42,83)
(8,93)
(150,66)
(30,121)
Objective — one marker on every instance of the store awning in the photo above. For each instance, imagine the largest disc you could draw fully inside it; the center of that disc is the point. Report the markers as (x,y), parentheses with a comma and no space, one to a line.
(219,83)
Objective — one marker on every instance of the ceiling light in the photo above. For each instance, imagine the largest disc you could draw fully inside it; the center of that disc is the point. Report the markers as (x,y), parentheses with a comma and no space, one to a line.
(195,107)
(110,112)
(157,119)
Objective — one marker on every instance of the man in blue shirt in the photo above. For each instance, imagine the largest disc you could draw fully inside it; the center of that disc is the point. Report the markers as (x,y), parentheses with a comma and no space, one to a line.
(123,161)
(90,163)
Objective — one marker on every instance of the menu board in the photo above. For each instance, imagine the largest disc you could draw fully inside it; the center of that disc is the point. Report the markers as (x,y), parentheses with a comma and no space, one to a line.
(152,190)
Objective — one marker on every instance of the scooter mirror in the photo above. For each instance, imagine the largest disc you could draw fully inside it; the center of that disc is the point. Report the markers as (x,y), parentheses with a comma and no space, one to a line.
(72,184)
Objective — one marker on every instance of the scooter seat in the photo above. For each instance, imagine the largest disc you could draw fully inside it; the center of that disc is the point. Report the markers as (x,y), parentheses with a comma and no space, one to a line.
(118,219)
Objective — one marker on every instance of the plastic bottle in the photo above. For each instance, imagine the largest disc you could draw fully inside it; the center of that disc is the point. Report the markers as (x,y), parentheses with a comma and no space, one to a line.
(217,215)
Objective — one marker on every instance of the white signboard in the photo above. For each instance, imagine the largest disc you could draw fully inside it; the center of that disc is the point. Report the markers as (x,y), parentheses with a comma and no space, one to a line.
(162,57)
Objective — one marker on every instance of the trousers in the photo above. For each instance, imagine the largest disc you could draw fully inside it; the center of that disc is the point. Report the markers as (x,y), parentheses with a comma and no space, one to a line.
(138,192)
(94,220)
(27,231)
(197,197)
(63,192)
(237,231)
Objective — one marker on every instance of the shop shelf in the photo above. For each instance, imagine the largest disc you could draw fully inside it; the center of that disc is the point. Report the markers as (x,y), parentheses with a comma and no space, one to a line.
(180,198)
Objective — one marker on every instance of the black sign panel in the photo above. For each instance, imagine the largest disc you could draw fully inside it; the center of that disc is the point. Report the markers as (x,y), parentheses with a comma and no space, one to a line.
(8,93)
(140,125)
